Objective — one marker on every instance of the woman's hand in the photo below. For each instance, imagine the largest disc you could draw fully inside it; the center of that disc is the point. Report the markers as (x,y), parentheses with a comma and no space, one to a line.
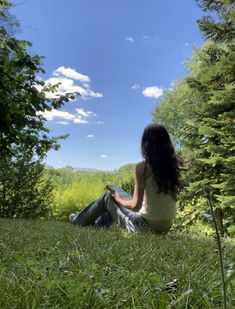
(116,196)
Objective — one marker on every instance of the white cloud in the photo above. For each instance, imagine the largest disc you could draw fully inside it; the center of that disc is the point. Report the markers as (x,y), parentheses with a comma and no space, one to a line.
(172,85)
(146,37)
(103,156)
(186,44)
(90,136)
(54,113)
(134,87)
(89,93)
(80,120)
(71,73)
(79,117)
(152,92)
(82,112)
(85,85)
(98,122)
(67,85)
(67,77)
(63,122)
(130,39)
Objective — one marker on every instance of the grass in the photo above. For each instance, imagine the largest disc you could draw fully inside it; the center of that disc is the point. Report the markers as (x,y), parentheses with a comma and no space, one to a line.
(49,264)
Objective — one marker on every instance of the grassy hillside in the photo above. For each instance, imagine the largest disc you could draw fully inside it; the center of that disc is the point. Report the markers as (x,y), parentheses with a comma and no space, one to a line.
(57,265)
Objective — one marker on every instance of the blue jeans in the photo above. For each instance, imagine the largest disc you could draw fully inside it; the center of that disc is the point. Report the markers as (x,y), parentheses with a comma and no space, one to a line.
(106,210)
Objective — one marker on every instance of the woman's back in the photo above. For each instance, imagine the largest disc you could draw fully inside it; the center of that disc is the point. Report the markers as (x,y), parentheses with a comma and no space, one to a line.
(157,205)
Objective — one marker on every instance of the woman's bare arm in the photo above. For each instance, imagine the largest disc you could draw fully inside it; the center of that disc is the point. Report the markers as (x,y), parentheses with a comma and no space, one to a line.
(136,202)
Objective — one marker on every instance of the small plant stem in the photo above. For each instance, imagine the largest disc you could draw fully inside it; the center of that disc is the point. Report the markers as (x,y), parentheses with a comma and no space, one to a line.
(220,252)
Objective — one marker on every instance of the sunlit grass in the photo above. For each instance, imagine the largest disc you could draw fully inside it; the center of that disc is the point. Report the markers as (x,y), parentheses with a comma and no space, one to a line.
(53,264)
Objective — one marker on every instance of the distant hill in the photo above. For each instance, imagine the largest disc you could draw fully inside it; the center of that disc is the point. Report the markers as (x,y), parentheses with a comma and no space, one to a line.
(74,169)
(81,169)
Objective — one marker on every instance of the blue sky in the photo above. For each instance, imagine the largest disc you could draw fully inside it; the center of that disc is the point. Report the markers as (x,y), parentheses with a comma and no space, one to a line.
(120,55)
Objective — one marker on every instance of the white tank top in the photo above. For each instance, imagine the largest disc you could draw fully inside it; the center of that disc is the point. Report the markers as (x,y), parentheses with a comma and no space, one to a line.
(157,205)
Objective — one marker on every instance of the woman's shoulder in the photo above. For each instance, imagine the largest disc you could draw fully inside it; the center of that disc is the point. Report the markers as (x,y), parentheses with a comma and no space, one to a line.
(143,168)
(141,164)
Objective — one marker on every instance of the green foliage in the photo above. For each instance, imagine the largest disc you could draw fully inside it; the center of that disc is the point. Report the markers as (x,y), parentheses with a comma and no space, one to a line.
(24,190)
(220,27)
(57,265)
(78,195)
(7,20)
(124,178)
(75,190)
(61,177)
(199,112)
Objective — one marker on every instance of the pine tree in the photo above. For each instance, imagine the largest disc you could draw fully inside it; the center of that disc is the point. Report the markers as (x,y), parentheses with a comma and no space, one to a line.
(204,105)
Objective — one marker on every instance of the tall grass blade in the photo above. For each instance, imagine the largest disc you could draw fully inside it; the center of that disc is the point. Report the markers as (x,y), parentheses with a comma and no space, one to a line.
(209,199)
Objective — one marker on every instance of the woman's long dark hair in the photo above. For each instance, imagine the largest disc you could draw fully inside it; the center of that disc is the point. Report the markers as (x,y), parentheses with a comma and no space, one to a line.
(157,149)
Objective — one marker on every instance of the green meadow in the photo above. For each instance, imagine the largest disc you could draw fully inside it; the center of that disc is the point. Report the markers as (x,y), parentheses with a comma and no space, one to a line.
(51,264)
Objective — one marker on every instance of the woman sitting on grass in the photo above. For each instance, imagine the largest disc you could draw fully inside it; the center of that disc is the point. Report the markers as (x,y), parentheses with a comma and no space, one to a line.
(152,207)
